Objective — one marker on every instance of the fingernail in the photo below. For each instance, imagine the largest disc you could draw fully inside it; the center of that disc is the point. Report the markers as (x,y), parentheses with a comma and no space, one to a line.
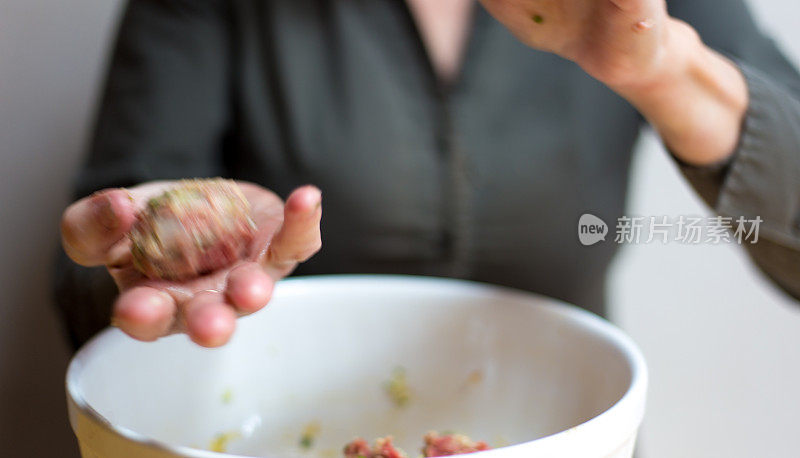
(319,201)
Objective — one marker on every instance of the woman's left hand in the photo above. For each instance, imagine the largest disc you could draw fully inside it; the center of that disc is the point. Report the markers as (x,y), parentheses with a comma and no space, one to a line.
(619,42)
(693,96)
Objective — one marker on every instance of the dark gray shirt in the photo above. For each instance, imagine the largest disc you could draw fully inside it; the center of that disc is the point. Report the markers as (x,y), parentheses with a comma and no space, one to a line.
(483,179)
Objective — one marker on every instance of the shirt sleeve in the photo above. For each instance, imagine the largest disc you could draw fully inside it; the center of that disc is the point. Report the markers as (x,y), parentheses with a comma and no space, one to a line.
(762,178)
(164,114)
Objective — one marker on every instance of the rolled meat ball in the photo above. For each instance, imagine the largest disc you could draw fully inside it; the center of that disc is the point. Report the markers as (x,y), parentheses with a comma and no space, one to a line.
(192,229)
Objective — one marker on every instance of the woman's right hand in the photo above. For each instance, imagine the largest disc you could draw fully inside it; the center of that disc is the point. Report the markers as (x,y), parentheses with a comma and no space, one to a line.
(93,232)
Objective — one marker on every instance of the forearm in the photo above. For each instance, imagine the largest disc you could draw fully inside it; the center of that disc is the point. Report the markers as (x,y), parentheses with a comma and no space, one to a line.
(696,99)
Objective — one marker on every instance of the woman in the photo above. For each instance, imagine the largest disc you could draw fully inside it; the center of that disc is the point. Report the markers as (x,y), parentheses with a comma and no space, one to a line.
(443,145)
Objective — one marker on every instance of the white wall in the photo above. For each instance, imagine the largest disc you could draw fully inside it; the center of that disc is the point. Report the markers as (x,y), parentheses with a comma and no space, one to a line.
(723,346)
(50,54)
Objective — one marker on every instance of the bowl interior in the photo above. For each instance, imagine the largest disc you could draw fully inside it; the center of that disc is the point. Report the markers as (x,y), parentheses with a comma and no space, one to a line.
(497,365)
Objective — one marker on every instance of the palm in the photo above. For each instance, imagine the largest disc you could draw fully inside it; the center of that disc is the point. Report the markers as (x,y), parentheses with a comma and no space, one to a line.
(267,213)
(206,307)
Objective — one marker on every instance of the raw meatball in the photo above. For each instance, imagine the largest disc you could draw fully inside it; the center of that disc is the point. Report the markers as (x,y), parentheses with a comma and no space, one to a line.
(450,444)
(195,228)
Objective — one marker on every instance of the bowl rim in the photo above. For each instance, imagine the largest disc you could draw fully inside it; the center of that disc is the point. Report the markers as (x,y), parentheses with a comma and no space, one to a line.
(629,407)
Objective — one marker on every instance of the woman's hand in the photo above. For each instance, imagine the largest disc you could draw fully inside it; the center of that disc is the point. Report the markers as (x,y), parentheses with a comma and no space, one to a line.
(93,233)
(618,42)
(693,96)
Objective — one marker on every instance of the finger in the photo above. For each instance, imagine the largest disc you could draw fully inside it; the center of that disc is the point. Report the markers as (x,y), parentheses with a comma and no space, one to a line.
(91,226)
(533,23)
(637,8)
(144,313)
(509,13)
(249,288)
(626,5)
(210,322)
(299,236)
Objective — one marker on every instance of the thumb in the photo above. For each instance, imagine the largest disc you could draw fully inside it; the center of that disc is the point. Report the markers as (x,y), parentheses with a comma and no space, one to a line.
(92,225)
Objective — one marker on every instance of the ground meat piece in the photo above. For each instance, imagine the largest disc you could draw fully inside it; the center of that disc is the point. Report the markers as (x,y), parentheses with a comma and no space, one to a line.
(195,228)
(450,444)
(357,448)
(383,448)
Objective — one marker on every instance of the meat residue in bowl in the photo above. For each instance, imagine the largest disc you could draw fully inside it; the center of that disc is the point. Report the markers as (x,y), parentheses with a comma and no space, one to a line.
(450,444)
(383,448)
(436,445)
(399,393)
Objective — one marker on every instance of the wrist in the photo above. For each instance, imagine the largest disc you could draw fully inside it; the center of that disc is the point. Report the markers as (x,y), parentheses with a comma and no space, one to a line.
(676,59)
(694,97)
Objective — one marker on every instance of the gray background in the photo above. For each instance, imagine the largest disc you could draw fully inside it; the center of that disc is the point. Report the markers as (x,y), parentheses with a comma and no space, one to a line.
(723,346)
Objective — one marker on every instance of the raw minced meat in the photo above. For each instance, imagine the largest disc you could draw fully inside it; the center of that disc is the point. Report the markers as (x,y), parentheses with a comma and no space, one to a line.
(435,445)
(194,228)
(450,444)
(383,448)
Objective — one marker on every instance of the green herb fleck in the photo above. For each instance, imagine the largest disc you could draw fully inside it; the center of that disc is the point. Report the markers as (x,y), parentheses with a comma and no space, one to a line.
(538,18)
(309,435)
(156,202)
(306,442)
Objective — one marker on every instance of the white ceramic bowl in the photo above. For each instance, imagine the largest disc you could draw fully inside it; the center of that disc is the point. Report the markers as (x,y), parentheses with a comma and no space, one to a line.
(543,378)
